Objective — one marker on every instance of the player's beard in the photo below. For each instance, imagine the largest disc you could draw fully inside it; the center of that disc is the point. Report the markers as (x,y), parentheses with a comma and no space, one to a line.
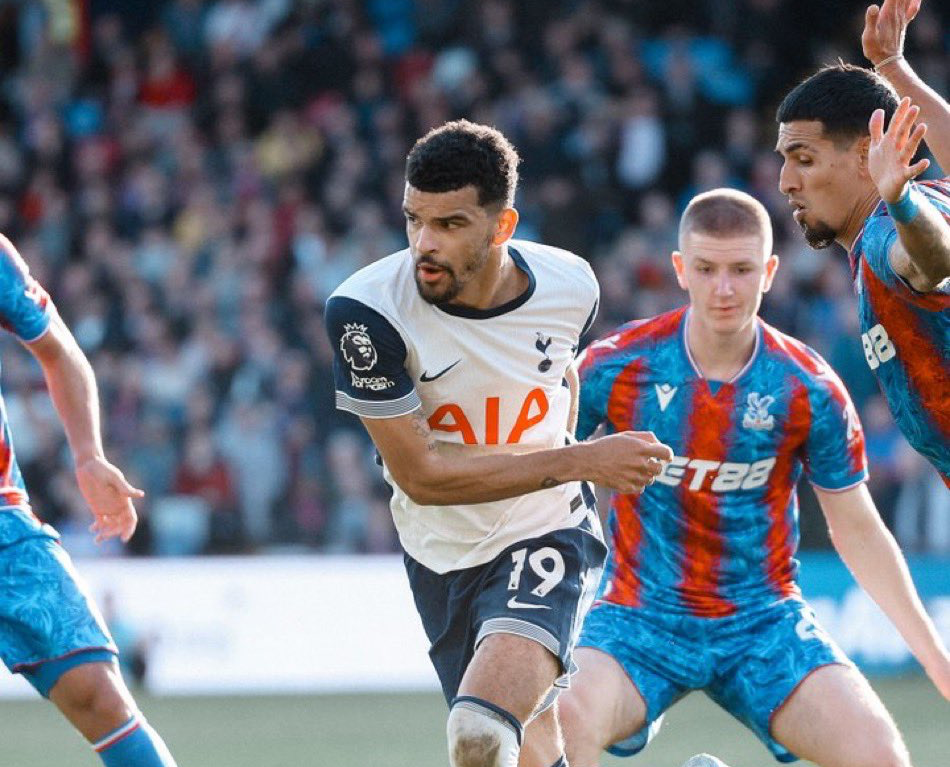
(818,236)
(451,284)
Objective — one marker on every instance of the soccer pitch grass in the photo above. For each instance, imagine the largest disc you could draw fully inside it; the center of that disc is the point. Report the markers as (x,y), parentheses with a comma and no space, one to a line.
(406,730)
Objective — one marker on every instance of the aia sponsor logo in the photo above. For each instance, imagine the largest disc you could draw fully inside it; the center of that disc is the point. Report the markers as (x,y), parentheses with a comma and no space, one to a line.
(450,417)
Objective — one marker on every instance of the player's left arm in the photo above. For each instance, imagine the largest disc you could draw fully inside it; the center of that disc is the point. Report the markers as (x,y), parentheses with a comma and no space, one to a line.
(882,40)
(921,252)
(72,387)
(873,557)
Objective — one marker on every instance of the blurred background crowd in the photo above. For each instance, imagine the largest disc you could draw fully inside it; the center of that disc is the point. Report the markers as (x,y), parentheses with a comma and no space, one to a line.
(190,180)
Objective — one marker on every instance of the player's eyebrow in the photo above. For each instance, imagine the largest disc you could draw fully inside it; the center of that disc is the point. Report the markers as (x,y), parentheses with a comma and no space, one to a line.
(452,217)
(793,147)
(455,216)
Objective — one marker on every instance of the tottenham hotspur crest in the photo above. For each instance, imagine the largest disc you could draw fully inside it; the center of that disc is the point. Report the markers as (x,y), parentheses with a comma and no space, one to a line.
(358,349)
(757,412)
(542,344)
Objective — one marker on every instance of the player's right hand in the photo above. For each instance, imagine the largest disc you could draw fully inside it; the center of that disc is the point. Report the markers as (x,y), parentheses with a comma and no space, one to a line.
(629,461)
(890,152)
(109,496)
(885,27)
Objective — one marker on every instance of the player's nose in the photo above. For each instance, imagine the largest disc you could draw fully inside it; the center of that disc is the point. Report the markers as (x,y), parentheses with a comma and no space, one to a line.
(788,180)
(724,285)
(426,241)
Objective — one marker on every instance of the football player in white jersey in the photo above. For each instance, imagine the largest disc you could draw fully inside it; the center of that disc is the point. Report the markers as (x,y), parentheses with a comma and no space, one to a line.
(457,355)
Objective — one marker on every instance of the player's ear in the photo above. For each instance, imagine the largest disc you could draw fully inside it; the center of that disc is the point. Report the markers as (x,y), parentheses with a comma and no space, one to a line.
(861,146)
(505,226)
(771,267)
(679,266)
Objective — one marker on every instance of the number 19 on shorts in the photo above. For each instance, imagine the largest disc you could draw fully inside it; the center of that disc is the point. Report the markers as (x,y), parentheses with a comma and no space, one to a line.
(877,346)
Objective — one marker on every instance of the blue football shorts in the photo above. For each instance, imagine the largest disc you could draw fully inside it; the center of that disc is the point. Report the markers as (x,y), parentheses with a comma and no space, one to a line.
(539,588)
(48,621)
(749,663)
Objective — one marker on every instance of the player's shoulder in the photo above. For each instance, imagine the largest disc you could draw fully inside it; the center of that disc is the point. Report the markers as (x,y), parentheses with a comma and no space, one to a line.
(879,228)
(10,258)
(648,331)
(550,262)
(799,359)
(365,283)
(384,285)
(636,337)
(937,191)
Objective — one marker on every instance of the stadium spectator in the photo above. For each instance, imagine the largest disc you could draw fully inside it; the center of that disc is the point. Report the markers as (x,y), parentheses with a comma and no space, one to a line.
(192,181)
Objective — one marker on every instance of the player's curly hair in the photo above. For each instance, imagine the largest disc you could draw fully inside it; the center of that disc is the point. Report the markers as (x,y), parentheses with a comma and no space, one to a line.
(463,153)
(843,97)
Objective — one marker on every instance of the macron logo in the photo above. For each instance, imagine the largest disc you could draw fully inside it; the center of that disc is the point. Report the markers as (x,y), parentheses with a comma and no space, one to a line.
(664,393)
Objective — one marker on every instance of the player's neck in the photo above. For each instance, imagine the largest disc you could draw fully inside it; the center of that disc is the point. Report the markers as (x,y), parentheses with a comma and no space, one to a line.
(719,356)
(499,282)
(863,208)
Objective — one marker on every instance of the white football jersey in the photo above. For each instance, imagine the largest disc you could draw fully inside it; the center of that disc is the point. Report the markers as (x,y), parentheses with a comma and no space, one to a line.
(486,380)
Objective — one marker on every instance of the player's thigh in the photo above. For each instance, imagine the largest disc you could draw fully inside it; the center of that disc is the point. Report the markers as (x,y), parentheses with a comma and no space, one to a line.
(511,671)
(46,612)
(835,719)
(633,665)
(602,707)
(528,614)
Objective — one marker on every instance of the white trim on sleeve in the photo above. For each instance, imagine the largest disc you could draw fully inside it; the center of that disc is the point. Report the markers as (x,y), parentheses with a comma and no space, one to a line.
(381,409)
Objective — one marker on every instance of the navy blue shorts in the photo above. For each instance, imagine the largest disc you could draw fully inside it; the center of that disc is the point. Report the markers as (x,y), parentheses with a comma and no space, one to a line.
(539,588)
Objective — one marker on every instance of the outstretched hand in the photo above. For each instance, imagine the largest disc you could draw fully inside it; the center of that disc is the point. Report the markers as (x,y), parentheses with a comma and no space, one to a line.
(109,496)
(885,27)
(890,152)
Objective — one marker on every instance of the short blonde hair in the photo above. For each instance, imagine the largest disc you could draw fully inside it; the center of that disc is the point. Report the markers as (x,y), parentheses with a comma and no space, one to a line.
(726,212)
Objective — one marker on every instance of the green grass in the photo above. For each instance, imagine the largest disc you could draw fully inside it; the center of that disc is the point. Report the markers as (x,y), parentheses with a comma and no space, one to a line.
(407,731)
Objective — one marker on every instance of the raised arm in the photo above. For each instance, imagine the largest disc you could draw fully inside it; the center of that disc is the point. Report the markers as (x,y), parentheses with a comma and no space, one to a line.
(437,475)
(883,43)
(72,387)
(921,252)
(873,557)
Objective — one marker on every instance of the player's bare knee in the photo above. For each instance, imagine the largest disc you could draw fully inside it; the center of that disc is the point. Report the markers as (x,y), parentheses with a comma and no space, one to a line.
(100,700)
(482,735)
(91,693)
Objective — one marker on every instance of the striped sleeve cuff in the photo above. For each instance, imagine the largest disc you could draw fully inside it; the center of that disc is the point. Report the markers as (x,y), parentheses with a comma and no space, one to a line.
(392,408)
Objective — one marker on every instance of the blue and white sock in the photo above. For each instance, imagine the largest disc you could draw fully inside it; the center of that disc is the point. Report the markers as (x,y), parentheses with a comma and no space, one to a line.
(134,744)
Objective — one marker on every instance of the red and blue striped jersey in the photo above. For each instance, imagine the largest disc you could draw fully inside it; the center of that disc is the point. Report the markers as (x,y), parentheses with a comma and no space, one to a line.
(718,530)
(25,311)
(906,334)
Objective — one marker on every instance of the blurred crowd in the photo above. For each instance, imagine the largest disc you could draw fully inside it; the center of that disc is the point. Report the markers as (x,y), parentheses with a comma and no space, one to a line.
(190,180)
